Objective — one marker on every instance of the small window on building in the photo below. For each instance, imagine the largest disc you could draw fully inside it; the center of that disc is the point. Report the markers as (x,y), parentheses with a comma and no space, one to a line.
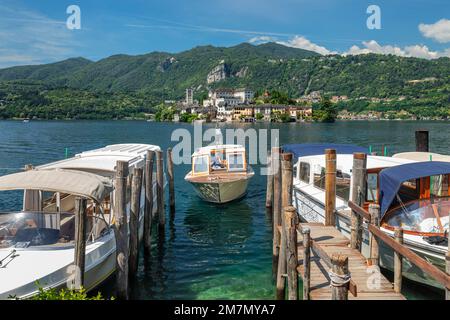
(304,172)
(372,187)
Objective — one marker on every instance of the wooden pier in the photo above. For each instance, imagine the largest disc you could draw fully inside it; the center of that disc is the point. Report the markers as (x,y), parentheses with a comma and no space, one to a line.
(331,265)
(327,242)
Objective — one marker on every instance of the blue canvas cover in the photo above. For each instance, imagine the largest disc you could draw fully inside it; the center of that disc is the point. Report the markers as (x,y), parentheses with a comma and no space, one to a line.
(311,149)
(392,178)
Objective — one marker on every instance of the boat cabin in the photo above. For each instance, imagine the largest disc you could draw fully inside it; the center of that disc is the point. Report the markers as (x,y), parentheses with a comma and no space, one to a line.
(47,217)
(219,159)
(414,195)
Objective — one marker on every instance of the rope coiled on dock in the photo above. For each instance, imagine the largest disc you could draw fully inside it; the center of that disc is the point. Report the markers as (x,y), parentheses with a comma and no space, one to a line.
(338,280)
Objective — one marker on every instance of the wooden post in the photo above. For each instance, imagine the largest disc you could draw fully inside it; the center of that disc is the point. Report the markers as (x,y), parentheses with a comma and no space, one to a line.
(447,265)
(269,188)
(148,213)
(80,241)
(171,181)
(135,209)
(121,224)
(422,140)
(276,166)
(160,187)
(330,187)
(357,196)
(398,262)
(286,180)
(306,262)
(291,254)
(374,211)
(286,201)
(281,269)
(339,267)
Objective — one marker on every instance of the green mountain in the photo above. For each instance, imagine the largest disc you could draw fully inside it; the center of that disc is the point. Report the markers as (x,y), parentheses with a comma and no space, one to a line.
(121,85)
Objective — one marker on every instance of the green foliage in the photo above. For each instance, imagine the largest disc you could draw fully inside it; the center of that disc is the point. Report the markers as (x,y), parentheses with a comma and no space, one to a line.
(259,116)
(164,113)
(124,86)
(188,117)
(326,111)
(65,294)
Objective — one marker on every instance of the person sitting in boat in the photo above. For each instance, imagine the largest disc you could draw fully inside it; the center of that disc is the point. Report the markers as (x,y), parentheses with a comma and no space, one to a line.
(216,162)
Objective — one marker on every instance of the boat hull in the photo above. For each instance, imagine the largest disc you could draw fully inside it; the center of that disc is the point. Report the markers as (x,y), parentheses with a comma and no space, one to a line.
(310,210)
(18,280)
(221,192)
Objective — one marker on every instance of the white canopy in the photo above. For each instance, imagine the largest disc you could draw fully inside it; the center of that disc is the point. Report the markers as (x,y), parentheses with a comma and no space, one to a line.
(423,156)
(59,180)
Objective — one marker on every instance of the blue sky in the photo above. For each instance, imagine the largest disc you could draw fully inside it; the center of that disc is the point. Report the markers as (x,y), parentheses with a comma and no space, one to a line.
(35,31)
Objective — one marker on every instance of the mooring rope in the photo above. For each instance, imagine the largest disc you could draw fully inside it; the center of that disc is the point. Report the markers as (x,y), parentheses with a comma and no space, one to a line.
(338,280)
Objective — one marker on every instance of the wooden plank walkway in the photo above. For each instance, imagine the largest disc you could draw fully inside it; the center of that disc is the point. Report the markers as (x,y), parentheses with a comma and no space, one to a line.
(330,241)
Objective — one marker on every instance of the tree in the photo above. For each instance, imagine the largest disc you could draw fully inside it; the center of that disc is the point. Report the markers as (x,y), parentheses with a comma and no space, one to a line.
(326,111)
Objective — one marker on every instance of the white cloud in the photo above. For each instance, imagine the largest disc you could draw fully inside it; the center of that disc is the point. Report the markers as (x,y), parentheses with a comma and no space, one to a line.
(262,39)
(299,42)
(439,31)
(28,37)
(303,43)
(418,51)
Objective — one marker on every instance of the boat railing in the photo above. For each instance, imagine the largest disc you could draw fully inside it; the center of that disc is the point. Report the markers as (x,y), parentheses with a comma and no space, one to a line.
(397,245)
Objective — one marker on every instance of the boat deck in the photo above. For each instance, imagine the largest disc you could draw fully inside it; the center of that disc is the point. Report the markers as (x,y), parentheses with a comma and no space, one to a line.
(219,176)
(327,241)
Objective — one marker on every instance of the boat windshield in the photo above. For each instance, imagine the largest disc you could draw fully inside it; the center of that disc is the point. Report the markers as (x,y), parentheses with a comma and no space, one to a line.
(421,216)
(34,229)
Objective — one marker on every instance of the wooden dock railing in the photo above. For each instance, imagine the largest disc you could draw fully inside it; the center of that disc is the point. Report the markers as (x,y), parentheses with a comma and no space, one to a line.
(400,250)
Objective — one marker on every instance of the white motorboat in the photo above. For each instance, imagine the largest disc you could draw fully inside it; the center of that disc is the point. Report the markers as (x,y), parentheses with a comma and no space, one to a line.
(220,173)
(37,243)
(401,185)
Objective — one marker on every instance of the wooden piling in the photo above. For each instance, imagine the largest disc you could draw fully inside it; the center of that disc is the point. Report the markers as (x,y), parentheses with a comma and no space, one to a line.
(160,187)
(306,263)
(121,225)
(281,269)
(148,206)
(269,188)
(422,140)
(398,262)
(340,268)
(276,166)
(291,254)
(330,187)
(447,265)
(357,196)
(171,181)
(135,209)
(374,211)
(286,180)
(80,241)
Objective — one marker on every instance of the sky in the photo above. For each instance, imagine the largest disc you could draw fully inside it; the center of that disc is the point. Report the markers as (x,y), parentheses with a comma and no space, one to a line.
(36,31)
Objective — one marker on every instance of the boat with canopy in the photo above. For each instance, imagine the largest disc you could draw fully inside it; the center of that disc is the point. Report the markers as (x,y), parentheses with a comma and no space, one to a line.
(220,173)
(37,241)
(412,194)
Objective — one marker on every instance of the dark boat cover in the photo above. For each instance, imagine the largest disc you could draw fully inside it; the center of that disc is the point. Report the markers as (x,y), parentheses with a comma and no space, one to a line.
(311,149)
(392,178)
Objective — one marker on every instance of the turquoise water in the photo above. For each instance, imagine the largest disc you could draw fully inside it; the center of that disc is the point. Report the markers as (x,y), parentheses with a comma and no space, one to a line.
(209,251)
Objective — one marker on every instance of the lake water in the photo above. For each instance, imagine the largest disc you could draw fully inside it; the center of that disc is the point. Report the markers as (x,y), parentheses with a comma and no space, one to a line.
(210,251)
